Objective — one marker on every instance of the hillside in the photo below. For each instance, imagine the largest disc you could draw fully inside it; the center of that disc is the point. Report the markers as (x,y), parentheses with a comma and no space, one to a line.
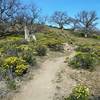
(42,69)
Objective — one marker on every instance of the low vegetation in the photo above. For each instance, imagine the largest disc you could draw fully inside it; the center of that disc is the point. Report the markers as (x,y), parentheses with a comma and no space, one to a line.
(41,50)
(83,60)
(17,56)
(80,92)
(87,57)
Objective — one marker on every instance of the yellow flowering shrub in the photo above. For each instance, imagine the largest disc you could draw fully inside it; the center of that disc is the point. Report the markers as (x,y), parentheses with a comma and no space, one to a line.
(17,65)
(20,69)
(80,92)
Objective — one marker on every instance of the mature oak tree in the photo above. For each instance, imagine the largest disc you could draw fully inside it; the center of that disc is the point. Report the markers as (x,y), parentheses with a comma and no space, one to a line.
(87,21)
(8,9)
(60,18)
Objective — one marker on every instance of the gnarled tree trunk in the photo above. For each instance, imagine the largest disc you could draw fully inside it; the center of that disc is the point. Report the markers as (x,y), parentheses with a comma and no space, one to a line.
(27,37)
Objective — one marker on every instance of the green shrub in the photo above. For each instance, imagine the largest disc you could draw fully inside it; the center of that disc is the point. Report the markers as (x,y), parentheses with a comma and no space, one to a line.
(55,45)
(26,52)
(11,84)
(24,48)
(80,92)
(84,48)
(96,36)
(41,50)
(1,50)
(79,34)
(12,48)
(70,40)
(29,57)
(97,51)
(52,40)
(93,49)
(21,41)
(11,51)
(83,60)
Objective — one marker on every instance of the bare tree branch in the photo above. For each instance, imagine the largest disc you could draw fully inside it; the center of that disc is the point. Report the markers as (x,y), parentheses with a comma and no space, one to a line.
(60,18)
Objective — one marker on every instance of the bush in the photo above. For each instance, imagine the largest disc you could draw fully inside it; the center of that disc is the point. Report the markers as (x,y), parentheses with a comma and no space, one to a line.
(55,45)
(79,34)
(80,92)
(52,40)
(27,53)
(11,51)
(11,84)
(83,60)
(22,48)
(96,36)
(84,48)
(28,56)
(21,41)
(93,49)
(41,50)
(20,69)
(97,51)
(12,47)
(15,65)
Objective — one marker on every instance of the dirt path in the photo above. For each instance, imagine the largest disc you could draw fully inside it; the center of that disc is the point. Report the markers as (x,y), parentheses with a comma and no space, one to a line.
(42,87)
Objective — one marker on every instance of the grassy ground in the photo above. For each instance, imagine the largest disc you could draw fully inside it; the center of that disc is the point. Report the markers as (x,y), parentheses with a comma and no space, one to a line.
(91,79)
(54,37)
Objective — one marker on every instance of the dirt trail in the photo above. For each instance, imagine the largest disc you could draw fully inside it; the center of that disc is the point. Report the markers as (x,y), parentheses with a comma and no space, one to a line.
(42,87)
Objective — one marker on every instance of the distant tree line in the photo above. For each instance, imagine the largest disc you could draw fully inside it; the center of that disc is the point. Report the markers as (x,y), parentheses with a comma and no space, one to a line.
(14,13)
(84,21)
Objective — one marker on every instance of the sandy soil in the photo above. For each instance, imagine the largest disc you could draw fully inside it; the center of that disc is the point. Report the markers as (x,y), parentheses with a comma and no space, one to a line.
(43,86)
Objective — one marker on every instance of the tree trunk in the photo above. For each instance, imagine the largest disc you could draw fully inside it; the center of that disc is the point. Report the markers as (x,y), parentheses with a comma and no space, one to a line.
(61,27)
(86,35)
(33,36)
(27,37)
